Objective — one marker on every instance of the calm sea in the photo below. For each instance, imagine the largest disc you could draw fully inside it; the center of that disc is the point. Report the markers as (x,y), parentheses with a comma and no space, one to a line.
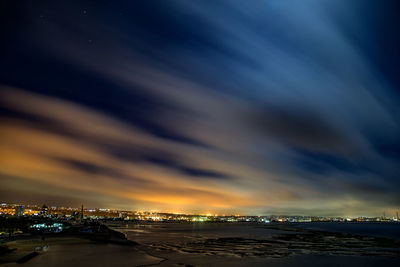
(389,230)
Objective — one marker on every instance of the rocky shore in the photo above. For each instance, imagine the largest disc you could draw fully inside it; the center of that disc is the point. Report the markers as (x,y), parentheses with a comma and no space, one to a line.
(21,249)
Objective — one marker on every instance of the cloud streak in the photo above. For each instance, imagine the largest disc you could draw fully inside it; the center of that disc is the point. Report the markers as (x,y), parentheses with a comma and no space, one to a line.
(201,106)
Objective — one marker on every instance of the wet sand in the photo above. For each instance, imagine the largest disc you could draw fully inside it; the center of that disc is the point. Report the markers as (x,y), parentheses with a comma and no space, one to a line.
(259,245)
(78,252)
(214,245)
(70,253)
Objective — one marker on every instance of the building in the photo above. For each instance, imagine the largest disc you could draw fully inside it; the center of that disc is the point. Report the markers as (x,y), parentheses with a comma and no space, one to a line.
(81,214)
(47,227)
(44,210)
(19,210)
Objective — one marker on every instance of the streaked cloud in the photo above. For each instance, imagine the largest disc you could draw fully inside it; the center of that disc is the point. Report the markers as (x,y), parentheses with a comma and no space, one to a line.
(224,106)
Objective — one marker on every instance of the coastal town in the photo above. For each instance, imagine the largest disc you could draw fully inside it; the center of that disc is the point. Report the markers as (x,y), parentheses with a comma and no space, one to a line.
(28,231)
(55,219)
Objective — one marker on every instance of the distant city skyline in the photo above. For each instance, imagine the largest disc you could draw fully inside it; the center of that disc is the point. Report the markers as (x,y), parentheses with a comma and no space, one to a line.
(21,207)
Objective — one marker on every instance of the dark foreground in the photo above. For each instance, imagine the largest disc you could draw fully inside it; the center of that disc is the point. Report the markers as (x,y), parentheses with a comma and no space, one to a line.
(208,244)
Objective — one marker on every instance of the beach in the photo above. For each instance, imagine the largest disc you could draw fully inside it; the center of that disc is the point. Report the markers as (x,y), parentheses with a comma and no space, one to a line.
(213,244)
(66,251)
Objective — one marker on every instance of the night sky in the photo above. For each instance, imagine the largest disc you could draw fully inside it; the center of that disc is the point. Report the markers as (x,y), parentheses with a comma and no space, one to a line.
(251,107)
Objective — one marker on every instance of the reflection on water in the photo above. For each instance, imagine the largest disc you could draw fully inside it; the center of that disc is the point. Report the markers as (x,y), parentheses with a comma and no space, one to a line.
(388,230)
(207,244)
(254,241)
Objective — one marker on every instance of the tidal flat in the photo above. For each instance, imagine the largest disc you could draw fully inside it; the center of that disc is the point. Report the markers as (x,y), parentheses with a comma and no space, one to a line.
(210,244)
(215,244)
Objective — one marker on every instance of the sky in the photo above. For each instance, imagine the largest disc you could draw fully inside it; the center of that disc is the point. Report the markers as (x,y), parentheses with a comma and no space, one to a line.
(228,107)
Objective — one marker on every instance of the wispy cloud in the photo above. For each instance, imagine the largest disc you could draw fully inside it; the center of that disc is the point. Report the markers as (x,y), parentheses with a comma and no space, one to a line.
(254,107)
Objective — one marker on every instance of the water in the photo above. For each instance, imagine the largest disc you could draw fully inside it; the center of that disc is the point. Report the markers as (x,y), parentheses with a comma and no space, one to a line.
(238,244)
(388,230)
(151,233)
(234,244)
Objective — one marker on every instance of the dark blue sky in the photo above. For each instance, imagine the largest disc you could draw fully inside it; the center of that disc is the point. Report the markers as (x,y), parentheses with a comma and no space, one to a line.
(223,106)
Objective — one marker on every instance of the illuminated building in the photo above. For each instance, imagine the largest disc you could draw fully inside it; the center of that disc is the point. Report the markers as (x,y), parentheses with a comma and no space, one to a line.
(44,210)
(47,227)
(19,210)
(81,214)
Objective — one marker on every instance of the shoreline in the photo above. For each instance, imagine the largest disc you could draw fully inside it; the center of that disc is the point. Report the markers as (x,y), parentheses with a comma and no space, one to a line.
(26,247)
(75,244)
(290,238)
